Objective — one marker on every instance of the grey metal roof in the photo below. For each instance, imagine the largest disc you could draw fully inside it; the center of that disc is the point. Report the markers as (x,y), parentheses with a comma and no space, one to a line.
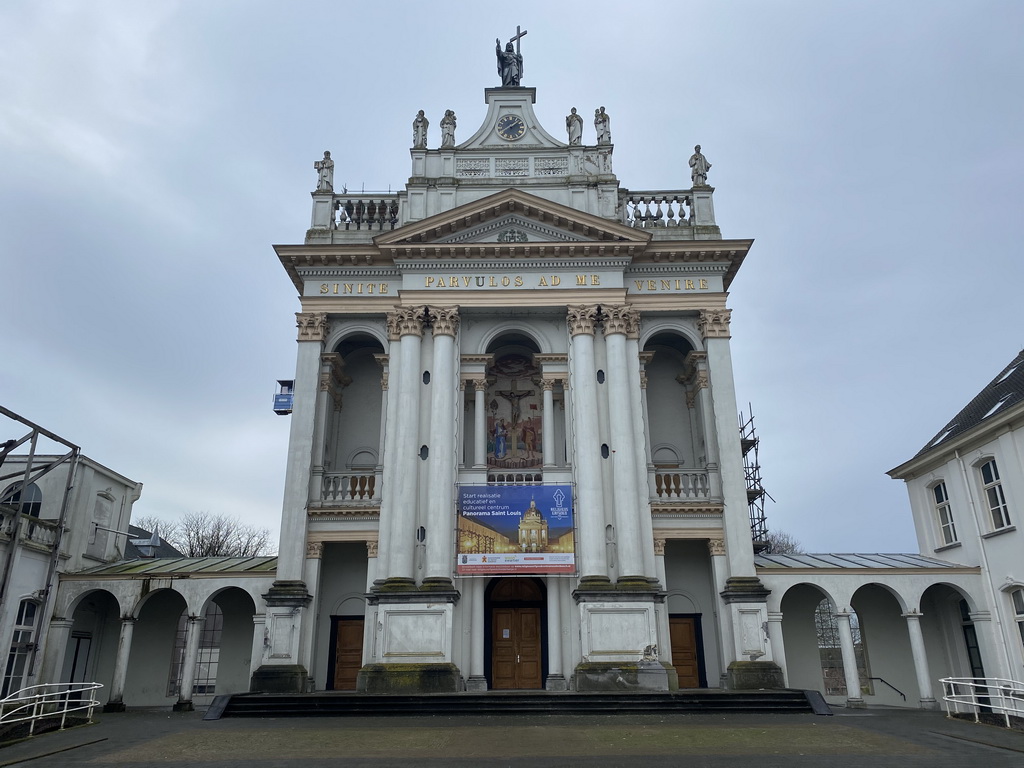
(131,552)
(1004,391)
(183,565)
(851,561)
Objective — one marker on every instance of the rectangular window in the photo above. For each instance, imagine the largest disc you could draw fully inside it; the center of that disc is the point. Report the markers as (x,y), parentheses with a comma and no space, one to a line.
(1018,611)
(993,491)
(16,670)
(944,515)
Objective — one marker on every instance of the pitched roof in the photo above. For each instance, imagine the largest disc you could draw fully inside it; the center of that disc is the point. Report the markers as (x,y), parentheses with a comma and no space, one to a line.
(207,566)
(132,552)
(850,561)
(1004,391)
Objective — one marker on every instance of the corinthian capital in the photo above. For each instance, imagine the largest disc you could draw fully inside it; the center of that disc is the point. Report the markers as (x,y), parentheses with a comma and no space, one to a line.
(393,320)
(622,319)
(714,323)
(582,319)
(410,321)
(445,320)
(312,325)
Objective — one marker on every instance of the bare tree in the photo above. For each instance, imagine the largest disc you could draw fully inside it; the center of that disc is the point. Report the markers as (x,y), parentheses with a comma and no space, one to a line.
(782,543)
(203,534)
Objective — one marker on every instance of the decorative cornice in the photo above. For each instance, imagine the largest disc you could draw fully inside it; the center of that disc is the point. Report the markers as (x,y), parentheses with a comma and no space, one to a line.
(313,326)
(582,319)
(714,323)
(686,509)
(445,320)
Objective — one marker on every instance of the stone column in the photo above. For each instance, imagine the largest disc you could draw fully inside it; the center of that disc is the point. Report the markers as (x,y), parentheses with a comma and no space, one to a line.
(719,577)
(556,680)
(628,522)
(370,615)
(442,459)
(382,361)
(477,681)
(193,629)
(55,649)
(924,680)
(124,651)
(714,327)
(587,461)
(259,641)
(404,484)
(775,638)
(314,555)
(695,379)
(852,676)
(638,389)
(389,459)
(661,609)
(291,550)
(547,421)
(480,423)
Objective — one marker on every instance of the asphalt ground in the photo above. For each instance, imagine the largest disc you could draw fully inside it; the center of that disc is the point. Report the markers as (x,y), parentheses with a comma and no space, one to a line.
(878,738)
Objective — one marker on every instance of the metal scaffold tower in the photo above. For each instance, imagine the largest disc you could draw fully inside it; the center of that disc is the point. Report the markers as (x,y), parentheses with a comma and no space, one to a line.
(755,490)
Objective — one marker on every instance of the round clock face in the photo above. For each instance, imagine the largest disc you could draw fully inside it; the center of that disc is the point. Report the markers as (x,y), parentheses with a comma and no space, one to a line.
(511,127)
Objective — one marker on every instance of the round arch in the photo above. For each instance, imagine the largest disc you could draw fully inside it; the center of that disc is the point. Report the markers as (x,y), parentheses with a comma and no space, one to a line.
(514,328)
(665,326)
(369,331)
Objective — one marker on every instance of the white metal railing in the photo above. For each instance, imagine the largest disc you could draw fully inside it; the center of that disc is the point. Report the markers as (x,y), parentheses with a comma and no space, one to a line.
(49,701)
(978,694)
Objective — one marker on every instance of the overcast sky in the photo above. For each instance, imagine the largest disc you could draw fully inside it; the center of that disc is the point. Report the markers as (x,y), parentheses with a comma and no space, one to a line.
(152,152)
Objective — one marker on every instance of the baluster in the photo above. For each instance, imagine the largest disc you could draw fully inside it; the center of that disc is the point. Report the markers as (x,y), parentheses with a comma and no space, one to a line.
(657,213)
(393,213)
(382,214)
(349,211)
(362,486)
(371,484)
(325,488)
(360,210)
(371,213)
(671,214)
(352,482)
(658,480)
(675,486)
(689,215)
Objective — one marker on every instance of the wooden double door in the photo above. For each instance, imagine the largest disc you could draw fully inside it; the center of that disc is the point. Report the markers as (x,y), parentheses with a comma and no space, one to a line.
(687,650)
(346,651)
(517,634)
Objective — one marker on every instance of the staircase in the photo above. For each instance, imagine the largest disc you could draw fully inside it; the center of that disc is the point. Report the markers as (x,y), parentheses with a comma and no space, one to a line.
(344,704)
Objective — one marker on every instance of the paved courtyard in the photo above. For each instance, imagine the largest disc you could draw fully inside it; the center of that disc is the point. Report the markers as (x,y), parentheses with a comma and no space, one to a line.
(875,738)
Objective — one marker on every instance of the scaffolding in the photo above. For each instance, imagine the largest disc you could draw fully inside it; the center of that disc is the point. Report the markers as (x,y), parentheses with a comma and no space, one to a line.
(756,493)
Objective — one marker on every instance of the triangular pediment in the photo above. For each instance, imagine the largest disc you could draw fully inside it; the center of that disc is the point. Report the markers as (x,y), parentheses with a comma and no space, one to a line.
(510,216)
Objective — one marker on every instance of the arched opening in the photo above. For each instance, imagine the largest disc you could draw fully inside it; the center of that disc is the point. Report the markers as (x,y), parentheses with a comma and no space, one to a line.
(152,653)
(338,645)
(676,434)
(31,500)
(92,645)
(952,639)
(515,634)
(514,403)
(806,629)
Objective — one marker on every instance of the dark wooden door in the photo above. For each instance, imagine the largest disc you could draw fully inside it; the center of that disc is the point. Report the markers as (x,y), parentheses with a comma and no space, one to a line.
(348,652)
(516,651)
(683,633)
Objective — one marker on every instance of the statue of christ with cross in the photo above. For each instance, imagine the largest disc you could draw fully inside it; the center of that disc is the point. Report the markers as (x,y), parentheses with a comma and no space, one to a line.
(510,62)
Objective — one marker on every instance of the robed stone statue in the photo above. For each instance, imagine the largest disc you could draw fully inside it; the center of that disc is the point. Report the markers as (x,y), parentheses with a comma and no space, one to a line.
(510,61)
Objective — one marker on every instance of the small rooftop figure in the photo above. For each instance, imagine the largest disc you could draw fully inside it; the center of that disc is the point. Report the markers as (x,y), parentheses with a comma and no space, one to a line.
(699,167)
(419,131)
(602,123)
(325,171)
(510,61)
(448,129)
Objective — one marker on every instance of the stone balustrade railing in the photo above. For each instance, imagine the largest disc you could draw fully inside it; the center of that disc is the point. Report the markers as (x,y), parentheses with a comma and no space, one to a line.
(33,530)
(681,485)
(645,210)
(515,478)
(349,488)
(376,212)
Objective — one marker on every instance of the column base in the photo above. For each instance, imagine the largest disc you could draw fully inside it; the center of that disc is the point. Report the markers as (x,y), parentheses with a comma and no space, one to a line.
(114,706)
(395,584)
(754,675)
(183,706)
(476,683)
(928,703)
(621,676)
(855,704)
(409,678)
(556,683)
(279,678)
(437,584)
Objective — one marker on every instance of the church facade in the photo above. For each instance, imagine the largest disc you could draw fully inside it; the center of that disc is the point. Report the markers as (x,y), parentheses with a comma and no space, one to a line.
(514,459)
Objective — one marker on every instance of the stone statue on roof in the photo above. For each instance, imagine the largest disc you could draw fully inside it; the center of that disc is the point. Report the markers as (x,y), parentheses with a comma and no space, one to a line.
(325,173)
(419,131)
(699,167)
(510,61)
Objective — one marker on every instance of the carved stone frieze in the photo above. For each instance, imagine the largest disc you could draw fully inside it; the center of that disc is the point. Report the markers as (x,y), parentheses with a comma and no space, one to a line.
(622,319)
(582,318)
(445,320)
(313,326)
(716,547)
(314,550)
(714,323)
(643,379)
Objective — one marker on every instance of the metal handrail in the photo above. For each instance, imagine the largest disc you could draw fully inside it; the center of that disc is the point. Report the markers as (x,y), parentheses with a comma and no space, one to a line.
(995,694)
(886,682)
(48,700)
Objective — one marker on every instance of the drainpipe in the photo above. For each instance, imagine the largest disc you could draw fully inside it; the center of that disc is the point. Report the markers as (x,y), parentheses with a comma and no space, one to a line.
(996,616)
